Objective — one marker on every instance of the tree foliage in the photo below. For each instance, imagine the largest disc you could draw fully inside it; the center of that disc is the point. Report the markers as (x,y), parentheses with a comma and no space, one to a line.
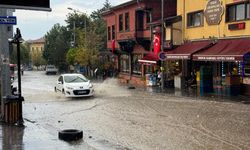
(37,59)
(56,45)
(71,56)
(24,54)
(90,38)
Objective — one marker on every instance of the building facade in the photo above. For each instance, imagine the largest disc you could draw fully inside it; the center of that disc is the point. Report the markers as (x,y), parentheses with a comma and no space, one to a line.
(215,37)
(36,48)
(130,36)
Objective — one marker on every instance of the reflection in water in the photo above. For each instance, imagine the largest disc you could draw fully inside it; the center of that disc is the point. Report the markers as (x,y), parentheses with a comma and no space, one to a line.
(12,137)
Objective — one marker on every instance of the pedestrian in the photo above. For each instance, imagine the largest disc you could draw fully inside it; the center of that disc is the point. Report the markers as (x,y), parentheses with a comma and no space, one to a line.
(22,69)
(159,77)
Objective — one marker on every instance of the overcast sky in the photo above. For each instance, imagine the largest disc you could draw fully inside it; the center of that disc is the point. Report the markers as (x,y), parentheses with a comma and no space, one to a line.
(35,24)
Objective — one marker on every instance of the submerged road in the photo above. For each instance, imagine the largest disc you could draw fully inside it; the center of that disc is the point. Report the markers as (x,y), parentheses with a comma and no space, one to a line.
(119,118)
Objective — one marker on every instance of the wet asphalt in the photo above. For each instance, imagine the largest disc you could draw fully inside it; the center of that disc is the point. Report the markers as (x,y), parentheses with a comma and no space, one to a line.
(121,118)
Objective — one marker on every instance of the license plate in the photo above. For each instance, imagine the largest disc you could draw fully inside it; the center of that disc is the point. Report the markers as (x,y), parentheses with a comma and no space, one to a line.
(82,92)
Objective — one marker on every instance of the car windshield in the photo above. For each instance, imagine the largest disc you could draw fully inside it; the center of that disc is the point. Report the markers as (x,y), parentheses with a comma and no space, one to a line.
(76,78)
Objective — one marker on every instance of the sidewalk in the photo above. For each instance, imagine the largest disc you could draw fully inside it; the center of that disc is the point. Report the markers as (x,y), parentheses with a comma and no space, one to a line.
(28,138)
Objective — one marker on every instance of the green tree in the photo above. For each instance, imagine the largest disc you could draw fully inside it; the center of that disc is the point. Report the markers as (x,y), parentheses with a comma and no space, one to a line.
(78,20)
(24,54)
(57,44)
(90,37)
(100,26)
(71,56)
(37,59)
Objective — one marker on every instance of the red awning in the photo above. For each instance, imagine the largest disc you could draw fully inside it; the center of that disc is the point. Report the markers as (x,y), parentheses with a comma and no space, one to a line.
(150,58)
(225,50)
(185,51)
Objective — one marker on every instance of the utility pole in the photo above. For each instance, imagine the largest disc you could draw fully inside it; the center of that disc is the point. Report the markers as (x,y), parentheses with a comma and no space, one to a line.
(85,25)
(74,24)
(162,42)
(5,33)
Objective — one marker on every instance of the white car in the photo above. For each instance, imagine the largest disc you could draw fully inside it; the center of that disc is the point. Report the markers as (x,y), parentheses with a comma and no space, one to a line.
(74,85)
(51,69)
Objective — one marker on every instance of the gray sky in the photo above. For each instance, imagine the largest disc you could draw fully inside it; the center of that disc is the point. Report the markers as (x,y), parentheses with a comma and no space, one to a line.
(35,24)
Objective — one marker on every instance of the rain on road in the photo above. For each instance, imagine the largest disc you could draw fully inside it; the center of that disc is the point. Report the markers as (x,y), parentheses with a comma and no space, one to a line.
(119,118)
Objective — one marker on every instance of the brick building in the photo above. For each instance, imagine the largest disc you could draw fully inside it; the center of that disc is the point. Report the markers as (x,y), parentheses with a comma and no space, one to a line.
(130,29)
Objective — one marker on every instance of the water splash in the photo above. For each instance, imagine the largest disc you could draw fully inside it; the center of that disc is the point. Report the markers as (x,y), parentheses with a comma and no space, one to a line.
(111,88)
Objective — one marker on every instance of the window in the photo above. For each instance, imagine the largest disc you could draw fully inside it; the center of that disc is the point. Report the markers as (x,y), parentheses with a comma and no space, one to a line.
(109,34)
(238,12)
(248,11)
(231,13)
(121,22)
(124,62)
(195,19)
(127,21)
(148,15)
(139,20)
(136,65)
(113,32)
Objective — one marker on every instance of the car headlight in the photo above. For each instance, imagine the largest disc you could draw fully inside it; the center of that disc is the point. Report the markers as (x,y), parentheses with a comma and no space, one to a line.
(90,85)
(69,88)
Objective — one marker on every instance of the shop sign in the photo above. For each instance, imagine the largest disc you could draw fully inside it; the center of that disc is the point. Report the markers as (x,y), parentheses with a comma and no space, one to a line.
(213,12)
(216,58)
(178,57)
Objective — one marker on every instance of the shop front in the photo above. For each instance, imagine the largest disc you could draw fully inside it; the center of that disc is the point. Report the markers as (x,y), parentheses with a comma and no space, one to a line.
(179,62)
(224,67)
(150,66)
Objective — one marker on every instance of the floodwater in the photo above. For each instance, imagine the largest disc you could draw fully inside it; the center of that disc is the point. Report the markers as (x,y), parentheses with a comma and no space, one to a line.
(121,118)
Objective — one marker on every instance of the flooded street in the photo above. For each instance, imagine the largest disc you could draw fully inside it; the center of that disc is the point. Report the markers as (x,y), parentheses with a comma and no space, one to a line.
(119,118)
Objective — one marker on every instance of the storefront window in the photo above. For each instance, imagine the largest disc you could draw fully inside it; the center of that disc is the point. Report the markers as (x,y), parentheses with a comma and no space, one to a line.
(246,67)
(195,19)
(136,65)
(124,62)
(231,68)
(148,69)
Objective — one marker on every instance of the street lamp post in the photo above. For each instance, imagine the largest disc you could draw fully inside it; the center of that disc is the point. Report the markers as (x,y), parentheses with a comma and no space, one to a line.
(162,40)
(74,24)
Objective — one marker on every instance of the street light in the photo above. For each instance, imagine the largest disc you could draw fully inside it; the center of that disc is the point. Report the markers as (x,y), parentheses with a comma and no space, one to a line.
(74,24)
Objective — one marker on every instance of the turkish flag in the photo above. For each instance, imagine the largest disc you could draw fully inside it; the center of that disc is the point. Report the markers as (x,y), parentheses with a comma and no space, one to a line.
(157,44)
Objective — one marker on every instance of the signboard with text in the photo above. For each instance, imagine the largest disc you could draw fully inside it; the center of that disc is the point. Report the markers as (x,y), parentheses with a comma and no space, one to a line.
(8,20)
(43,5)
(213,12)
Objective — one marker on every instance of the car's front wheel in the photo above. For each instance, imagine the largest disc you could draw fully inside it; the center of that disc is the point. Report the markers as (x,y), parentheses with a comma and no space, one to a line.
(55,89)
(63,91)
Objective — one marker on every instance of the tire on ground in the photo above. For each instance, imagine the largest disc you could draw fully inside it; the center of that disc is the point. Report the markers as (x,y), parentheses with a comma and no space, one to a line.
(70,135)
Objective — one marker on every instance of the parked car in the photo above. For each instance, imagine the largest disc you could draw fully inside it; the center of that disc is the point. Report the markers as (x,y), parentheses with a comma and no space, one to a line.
(74,85)
(51,69)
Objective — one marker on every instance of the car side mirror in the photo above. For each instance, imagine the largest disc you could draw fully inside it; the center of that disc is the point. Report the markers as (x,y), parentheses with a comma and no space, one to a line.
(59,82)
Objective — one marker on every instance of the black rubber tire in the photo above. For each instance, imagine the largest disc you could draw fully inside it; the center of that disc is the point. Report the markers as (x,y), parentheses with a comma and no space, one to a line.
(70,135)
(55,89)
(63,92)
